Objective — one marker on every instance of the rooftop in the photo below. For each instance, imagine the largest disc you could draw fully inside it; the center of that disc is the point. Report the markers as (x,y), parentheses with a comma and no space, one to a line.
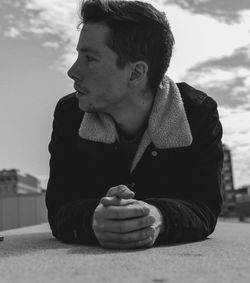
(31,254)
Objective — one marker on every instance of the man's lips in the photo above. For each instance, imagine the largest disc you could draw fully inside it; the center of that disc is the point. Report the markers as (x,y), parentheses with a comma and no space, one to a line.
(79,94)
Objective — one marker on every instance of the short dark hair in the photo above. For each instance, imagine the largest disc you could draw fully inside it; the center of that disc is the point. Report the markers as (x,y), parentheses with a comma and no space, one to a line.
(138,31)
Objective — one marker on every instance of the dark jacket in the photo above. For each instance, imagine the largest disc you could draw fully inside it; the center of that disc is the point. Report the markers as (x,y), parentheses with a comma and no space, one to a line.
(183,182)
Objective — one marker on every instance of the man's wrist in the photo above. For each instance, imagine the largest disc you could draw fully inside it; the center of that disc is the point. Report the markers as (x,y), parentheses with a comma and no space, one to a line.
(161,220)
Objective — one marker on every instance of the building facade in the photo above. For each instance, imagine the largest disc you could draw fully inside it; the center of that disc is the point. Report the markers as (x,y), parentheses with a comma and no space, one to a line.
(22,210)
(13,182)
(22,201)
(243,202)
(228,191)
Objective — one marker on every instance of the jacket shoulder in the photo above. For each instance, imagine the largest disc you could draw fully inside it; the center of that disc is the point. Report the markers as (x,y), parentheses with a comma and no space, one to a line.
(68,102)
(191,94)
(68,106)
(195,100)
(201,109)
(67,113)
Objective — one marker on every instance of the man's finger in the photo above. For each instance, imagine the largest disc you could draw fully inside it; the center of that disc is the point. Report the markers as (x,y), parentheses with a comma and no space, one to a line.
(120,191)
(129,237)
(123,226)
(146,243)
(115,201)
(123,212)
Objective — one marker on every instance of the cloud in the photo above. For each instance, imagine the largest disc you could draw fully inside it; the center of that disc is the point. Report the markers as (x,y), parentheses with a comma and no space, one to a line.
(240,57)
(40,18)
(199,39)
(51,44)
(228,76)
(52,16)
(228,11)
(12,32)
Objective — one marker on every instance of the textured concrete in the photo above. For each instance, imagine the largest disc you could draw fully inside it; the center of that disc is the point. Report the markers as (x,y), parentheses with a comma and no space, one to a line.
(32,255)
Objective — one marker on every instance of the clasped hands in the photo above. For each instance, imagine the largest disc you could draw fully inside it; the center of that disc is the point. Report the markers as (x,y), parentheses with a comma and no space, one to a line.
(120,221)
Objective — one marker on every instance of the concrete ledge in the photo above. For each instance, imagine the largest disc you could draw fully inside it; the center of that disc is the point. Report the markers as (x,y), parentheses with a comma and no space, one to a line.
(32,255)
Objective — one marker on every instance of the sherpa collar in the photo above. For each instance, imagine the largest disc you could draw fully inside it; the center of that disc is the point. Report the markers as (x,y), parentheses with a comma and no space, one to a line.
(168,126)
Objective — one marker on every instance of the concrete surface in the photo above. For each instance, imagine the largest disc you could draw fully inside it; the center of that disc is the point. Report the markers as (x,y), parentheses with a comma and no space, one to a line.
(32,255)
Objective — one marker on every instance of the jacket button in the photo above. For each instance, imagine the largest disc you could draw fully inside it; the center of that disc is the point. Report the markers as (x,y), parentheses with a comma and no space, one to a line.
(154,153)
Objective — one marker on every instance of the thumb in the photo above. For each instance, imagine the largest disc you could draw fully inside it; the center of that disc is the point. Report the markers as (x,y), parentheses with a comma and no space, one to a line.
(120,191)
(107,201)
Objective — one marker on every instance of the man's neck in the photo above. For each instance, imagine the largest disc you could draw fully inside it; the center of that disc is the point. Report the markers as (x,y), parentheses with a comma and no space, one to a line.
(131,120)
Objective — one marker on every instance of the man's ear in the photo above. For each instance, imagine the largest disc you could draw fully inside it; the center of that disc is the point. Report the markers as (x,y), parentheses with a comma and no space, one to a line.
(138,73)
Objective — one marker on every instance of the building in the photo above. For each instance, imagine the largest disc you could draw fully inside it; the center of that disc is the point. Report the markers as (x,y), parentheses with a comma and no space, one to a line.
(242,194)
(242,207)
(228,191)
(22,201)
(21,210)
(13,182)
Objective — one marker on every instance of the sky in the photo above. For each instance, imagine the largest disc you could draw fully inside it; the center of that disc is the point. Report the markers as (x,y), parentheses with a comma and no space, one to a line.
(37,46)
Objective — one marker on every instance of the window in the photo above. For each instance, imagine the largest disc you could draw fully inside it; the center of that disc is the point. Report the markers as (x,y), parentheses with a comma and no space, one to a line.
(228,187)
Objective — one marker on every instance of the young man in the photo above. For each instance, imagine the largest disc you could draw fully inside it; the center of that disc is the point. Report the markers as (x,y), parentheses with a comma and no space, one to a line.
(135,158)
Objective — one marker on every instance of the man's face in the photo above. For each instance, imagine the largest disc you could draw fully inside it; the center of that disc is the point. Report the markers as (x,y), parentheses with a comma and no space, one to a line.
(101,85)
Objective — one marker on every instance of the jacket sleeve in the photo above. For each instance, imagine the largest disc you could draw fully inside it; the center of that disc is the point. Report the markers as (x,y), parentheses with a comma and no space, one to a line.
(193,216)
(69,215)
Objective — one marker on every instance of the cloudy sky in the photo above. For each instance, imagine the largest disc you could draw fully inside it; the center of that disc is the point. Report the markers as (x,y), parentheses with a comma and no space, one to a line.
(37,46)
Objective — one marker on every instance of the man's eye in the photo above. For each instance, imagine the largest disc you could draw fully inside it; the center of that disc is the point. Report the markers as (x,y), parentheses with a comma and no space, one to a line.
(89,58)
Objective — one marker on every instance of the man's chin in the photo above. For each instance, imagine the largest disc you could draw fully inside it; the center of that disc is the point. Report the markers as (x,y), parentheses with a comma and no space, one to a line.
(86,109)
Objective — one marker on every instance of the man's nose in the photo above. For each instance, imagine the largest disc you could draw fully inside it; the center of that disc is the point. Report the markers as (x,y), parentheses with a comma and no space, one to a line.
(72,72)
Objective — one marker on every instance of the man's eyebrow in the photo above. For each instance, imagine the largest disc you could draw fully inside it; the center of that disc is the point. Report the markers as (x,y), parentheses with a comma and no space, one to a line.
(88,49)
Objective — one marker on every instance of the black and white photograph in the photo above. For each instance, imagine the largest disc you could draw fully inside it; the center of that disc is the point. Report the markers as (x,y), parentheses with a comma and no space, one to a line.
(125,141)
